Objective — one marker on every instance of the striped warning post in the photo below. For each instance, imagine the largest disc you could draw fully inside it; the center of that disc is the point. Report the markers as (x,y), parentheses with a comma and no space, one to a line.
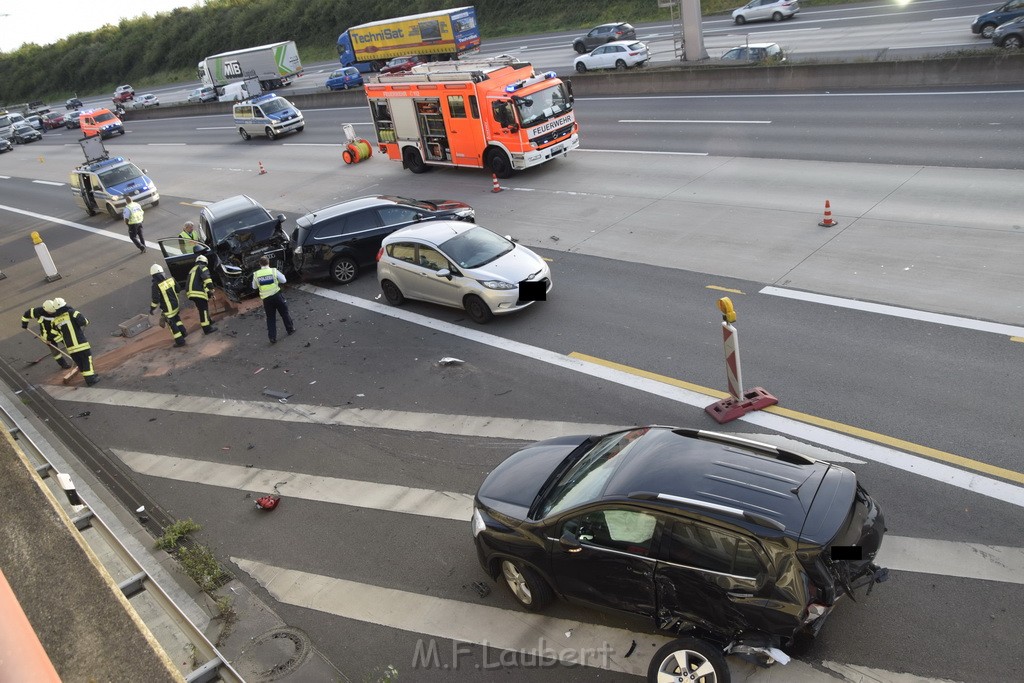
(734,375)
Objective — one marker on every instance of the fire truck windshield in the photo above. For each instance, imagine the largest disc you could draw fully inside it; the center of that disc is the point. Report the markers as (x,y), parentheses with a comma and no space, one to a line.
(542,105)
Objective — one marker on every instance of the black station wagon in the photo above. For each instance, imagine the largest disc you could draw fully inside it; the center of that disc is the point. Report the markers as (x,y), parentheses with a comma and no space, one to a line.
(739,546)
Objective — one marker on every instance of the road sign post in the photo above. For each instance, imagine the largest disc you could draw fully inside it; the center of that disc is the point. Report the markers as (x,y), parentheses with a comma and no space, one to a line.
(740,402)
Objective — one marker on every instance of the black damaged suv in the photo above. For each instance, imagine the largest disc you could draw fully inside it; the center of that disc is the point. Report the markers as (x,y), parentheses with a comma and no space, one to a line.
(738,545)
(233,234)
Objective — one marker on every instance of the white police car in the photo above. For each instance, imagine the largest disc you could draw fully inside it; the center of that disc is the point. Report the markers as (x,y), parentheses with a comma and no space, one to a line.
(268,115)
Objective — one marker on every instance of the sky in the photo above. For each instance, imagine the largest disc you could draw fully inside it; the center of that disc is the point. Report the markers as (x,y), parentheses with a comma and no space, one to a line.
(22,21)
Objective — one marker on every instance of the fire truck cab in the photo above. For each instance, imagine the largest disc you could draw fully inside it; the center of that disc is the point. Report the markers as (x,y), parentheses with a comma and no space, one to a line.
(496,114)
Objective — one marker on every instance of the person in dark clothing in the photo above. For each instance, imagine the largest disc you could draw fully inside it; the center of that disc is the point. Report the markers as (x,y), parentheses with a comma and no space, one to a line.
(200,290)
(47,332)
(268,281)
(165,298)
(71,323)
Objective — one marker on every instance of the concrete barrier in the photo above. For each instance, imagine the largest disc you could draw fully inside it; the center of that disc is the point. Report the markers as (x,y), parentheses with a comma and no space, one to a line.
(998,69)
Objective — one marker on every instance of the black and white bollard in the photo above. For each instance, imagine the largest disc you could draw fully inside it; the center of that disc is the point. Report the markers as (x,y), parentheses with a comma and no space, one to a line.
(49,268)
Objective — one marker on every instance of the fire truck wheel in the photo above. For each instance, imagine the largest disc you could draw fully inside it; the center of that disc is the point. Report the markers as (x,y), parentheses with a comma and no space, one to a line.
(413,160)
(499,164)
(245,135)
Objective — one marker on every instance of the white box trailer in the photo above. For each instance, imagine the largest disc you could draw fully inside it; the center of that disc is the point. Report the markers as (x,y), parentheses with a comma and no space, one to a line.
(275,65)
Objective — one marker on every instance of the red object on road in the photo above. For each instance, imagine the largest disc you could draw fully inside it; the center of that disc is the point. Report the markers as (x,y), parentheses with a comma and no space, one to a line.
(268,502)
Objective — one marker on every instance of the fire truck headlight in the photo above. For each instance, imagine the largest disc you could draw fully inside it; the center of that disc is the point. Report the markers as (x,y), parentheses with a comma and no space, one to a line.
(533,144)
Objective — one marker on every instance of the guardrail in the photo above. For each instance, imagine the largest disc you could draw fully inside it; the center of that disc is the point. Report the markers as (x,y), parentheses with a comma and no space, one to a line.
(214,665)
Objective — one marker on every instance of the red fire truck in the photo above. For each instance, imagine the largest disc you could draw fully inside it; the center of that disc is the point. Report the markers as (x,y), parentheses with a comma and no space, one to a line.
(496,114)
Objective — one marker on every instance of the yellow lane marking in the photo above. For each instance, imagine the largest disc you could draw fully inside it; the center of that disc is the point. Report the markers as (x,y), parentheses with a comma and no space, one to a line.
(926,451)
(1017,339)
(723,289)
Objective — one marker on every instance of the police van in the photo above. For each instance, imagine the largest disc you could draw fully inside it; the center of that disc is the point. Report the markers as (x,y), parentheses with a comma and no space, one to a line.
(268,115)
(105,183)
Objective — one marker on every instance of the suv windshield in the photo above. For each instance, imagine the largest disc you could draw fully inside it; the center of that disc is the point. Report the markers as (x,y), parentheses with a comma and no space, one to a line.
(476,247)
(543,104)
(104,117)
(121,174)
(222,228)
(587,478)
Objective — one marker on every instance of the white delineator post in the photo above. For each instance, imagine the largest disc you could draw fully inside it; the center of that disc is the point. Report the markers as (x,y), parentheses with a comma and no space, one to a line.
(49,268)
(740,402)
(734,375)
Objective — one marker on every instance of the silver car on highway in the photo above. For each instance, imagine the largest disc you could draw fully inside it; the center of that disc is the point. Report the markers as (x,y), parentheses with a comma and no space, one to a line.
(463,265)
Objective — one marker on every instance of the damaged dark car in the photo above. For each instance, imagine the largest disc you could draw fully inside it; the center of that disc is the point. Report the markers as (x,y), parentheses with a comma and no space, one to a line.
(233,234)
(735,546)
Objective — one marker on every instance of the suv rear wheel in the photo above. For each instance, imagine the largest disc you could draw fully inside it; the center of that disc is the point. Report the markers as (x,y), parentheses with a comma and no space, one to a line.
(688,659)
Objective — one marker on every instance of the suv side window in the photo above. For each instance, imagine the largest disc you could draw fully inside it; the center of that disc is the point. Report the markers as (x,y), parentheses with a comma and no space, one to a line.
(393,215)
(704,547)
(629,531)
(362,220)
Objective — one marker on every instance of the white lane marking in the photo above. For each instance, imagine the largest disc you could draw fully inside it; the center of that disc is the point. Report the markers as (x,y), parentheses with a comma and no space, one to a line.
(1004,564)
(864,674)
(72,224)
(312,144)
(5,177)
(971,481)
(363,494)
(48,182)
(165,144)
(685,121)
(952,558)
(897,311)
(633,151)
(459,621)
(216,128)
(435,423)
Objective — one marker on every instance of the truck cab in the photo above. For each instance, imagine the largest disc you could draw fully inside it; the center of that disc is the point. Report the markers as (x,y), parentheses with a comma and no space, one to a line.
(105,183)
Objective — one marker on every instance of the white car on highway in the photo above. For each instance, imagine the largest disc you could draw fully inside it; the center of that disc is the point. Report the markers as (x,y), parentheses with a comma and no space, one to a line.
(763,10)
(619,54)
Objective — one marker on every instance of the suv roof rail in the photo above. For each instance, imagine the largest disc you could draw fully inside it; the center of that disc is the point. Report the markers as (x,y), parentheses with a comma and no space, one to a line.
(715,507)
(758,446)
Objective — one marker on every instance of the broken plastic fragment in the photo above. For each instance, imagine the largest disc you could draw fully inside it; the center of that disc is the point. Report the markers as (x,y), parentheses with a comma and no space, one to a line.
(448,360)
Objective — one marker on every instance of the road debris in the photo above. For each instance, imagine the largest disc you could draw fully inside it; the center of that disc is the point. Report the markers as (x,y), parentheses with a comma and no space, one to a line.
(448,360)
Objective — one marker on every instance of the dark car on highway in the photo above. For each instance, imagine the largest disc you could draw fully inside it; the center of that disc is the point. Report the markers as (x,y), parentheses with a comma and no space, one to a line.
(986,24)
(1010,35)
(337,241)
(23,133)
(5,145)
(605,33)
(73,103)
(399,65)
(737,545)
(235,233)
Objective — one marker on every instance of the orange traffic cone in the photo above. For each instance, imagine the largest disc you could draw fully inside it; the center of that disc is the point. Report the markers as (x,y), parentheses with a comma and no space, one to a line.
(827,221)
(497,187)
(263,171)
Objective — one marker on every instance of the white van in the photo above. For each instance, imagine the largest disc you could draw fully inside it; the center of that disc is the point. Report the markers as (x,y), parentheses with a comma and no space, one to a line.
(234,92)
(268,115)
(7,122)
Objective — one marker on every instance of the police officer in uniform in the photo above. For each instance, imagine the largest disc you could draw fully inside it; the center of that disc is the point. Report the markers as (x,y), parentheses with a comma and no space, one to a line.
(200,290)
(268,281)
(70,323)
(47,332)
(133,216)
(165,298)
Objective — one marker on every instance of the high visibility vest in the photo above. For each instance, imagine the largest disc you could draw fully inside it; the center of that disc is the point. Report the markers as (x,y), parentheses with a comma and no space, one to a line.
(135,213)
(186,235)
(199,282)
(168,297)
(266,282)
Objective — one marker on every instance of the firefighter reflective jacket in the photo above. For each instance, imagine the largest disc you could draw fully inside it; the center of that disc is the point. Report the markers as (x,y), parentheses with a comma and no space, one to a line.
(200,284)
(165,295)
(46,329)
(70,324)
